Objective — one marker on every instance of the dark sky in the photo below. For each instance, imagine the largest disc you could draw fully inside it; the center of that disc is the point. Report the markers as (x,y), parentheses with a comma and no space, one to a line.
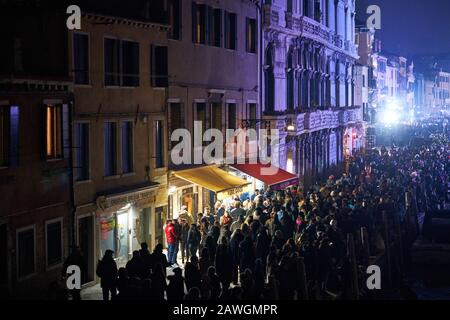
(412,27)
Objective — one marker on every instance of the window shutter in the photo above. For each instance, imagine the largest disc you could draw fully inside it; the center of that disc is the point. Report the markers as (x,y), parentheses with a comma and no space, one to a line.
(226,19)
(235,32)
(194,22)
(247,38)
(14,136)
(65,131)
(43,132)
(209,25)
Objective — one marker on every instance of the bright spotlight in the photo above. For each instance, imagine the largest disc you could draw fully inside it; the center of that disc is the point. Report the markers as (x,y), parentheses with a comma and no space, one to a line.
(391,117)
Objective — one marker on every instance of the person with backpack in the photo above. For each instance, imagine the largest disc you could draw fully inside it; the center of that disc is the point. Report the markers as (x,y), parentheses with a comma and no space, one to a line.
(107,272)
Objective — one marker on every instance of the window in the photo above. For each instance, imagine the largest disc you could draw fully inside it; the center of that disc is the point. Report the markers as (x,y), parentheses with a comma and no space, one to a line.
(176,119)
(251,35)
(230,30)
(159,144)
(289,6)
(121,63)
(269,80)
(54,240)
(9,136)
(160,67)
(127,147)
(112,62)
(175,19)
(232,116)
(26,252)
(290,80)
(216,116)
(81,58)
(54,131)
(198,23)
(81,141)
(110,141)
(215,27)
(130,64)
(253,114)
(201,114)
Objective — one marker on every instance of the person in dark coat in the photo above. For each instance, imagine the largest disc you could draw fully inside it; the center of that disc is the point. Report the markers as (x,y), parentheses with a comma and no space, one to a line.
(192,274)
(262,244)
(175,289)
(224,263)
(146,259)
(259,278)
(158,257)
(107,271)
(135,266)
(246,255)
(210,245)
(214,283)
(193,240)
(159,283)
(184,246)
(236,239)
(123,284)
(204,262)
(287,225)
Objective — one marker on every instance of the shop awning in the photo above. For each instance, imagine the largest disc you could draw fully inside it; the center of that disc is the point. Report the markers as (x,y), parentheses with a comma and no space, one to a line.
(280,180)
(213,178)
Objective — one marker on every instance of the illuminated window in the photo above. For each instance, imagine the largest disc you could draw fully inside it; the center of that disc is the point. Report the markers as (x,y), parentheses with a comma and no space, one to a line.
(198,23)
(175,19)
(251,35)
(54,131)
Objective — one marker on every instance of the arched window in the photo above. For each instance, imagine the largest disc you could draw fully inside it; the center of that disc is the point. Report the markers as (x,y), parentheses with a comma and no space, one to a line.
(338,83)
(269,79)
(306,8)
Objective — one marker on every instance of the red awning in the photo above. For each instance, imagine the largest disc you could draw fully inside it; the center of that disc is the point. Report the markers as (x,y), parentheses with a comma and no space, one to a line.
(280,180)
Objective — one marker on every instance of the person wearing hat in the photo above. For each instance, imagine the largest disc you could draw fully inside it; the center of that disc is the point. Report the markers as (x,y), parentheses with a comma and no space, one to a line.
(107,272)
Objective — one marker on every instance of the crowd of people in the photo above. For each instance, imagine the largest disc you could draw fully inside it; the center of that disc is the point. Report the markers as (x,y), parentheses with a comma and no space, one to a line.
(288,244)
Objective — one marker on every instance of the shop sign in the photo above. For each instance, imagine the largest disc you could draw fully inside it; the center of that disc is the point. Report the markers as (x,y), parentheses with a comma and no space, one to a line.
(108,202)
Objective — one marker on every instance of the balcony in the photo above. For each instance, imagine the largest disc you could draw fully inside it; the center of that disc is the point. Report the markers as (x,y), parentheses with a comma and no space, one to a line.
(316,119)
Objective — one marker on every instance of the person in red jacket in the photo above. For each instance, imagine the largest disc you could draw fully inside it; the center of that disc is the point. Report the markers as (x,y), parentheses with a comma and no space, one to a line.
(171,239)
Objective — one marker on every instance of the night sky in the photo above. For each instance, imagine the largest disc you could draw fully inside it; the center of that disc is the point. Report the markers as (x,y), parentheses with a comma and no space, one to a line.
(412,27)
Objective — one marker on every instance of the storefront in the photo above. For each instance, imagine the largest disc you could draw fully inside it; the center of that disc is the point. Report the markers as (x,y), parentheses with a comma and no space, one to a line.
(125,220)
(200,187)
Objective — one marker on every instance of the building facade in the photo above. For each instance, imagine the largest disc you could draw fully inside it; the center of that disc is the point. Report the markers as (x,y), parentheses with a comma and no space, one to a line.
(35,175)
(119,66)
(213,80)
(308,67)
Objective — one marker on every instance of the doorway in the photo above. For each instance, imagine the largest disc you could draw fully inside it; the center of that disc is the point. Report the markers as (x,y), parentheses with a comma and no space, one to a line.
(86,244)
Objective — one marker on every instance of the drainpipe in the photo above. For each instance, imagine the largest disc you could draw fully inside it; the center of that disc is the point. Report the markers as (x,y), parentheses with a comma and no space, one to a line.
(71,176)
(260,63)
